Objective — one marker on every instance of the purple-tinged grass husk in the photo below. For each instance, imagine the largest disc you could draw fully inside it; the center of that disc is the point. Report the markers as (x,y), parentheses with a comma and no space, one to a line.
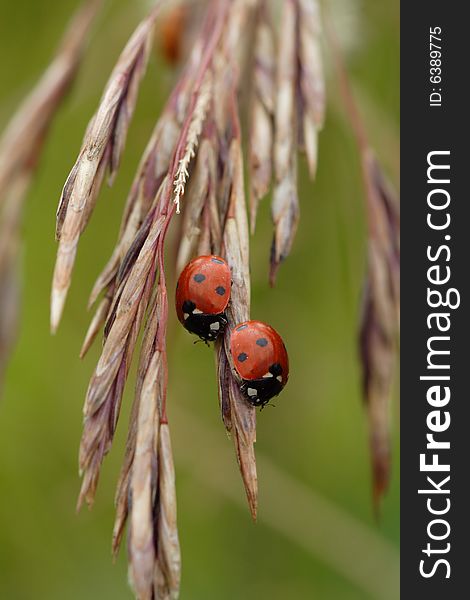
(148,179)
(104,394)
(20,150)
(194,158)
(22,141)
(10,220)
(168,547)
(236,251)
(262,112)
(378,340)
(285,202)
(379,326)
(143,482)
(202,183)
(146,494)
(101,150)
(311,81)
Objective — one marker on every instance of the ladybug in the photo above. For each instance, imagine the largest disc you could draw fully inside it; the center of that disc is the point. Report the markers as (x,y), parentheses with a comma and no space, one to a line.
(260,360)
(202,295)
(172,30)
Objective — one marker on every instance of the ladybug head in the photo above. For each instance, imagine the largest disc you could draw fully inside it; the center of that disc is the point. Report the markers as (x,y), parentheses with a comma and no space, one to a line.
(259,392)
(206,326)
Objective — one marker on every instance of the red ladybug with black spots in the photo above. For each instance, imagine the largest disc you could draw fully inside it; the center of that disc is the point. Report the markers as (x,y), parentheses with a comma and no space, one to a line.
(202,295)
(260,359)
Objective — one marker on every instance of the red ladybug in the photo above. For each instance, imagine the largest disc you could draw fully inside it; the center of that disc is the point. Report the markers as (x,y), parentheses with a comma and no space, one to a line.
(260,359)
(202,295)
(172,29)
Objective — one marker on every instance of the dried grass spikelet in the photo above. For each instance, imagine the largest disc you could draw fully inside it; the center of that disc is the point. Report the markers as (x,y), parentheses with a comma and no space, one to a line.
(150,173)
(222,227)
(145,495)
(379,327)
(146,490)
(101,150)
(201,186)
(20,149)
(311,82)
(195,150)
(9,300)
(285,203)
(130,299)
(10,221)
(262,112)
(152,169)
(238,415)
(153,544)
(168,547)
(106,386)
(210,238)
(200,231)
(97,322)
(380,319)
(192,138)
(236,238)
(22,140)
(146,353)
(143,483)
(388,213)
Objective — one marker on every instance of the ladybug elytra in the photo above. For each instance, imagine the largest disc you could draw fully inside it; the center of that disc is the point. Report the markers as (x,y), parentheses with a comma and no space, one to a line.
(260,360)
(202,295)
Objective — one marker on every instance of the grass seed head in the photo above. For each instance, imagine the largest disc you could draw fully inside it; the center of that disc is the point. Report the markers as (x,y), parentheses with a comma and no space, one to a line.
(101,150)
(196,150)
(311,81)
(380,318)
(20,150)
(262,112)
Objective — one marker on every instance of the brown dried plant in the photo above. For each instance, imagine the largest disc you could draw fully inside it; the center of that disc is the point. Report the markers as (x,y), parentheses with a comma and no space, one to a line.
(101,150)
(380,318)
(194,163)
(20,150)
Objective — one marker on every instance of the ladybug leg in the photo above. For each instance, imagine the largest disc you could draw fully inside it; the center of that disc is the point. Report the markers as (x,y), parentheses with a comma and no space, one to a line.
(265,404)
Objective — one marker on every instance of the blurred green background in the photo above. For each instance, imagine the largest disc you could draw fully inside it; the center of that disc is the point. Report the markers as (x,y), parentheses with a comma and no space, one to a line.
(316,536)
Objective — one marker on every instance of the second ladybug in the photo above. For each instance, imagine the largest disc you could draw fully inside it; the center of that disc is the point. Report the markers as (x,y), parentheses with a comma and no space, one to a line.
(260,360)
(202,295)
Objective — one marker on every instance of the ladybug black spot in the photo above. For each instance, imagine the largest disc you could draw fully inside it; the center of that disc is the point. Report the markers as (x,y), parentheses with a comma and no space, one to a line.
(275,369)
(242,357)
(188,306)
(199,278)
(262,342)
(220,290)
